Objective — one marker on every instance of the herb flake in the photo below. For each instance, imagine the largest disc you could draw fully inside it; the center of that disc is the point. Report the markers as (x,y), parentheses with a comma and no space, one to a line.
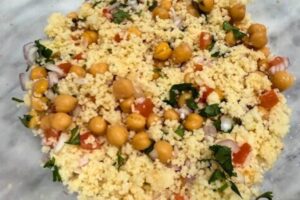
(50,164)
(267,195)
(211,111)
(25,120)
(153,5)
(120,161)
(238,35)
(120,15)
(43,51)
(180,131)
(75,136)
(177,89)
(217,175)
(17,100)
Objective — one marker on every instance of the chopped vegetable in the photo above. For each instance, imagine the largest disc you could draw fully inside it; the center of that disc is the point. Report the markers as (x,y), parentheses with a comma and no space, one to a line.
(55,171)
(153,5)
(267,195)
(205,40)
(119,16)
(217,175)
(235,188)
(17,100)
(192,104)
(205,94)
(211,111)
(238,35)
(25,120)
(120,161)
(54,88)
(89,141)
(180,131)
(240,157)
(65,67)
(145,108)
(75,137)
(178,197)
(43,51)
(176,91)
(269,99)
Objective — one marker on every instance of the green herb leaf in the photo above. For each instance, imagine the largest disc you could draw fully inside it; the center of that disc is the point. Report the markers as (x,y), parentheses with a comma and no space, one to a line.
(43,51)
(192,104)
(235,188)
(227,26)
(120,15)
(238,35)
(75,136)
(177,89)
(17,100)
(120,161)
(25,120)
(218,175)
(150,148)
(222,156)
(217,124)
(54,88)
(153,5)
(180,131)
(223,187)
(55,170)
(267,195)
(211,110)
(211,46)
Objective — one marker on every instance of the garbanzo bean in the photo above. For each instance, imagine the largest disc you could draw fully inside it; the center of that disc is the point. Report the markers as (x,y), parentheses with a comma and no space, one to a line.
(206,5)
(117,135)
(60,121)
(89,37)
(65,103)
(40,87)
(182,53)
(164,151)
(171,114)
(79,71)
(123,88)
(136,122)
(258,40)
(98,68)
(255,28)
(39,104)
(126,105)
(162,51)
(166,4)
(97,125)
(230,39)
(38,73)
(160,12)
(282,80)
(141,141)
(152,118)
(237,12)
(192,10)
(183,98)
(45,122)
(193,121)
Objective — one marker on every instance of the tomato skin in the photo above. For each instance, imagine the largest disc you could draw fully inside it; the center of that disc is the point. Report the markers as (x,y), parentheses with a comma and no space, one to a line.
(178,197)
(51,133)
(240,157)
(269,99)
(65,67)
(276,61)
(205,40)
(198,67)
(107,13)
(117,38)
(89,146)
(205,94)
(145,108)
(78,56)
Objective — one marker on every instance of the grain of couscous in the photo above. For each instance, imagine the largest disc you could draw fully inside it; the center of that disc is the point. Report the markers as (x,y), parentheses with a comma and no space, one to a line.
(157,100)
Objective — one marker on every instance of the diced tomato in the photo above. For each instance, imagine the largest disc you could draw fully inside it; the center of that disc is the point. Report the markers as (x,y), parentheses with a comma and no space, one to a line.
(78,56)
(198,67)
(240,157)
(205,94)
(276,61)
(89,141)
(107,13)
(51,133)
(269,99)
(65,67)
(118,38)
(145,108)
(178,197)
(205,40)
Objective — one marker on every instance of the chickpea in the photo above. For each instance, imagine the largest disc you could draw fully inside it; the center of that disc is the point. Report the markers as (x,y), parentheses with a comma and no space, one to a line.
(97,125)
(192,10)
(60,121)
(166,4)
(98,68)
(162,51)
(282,80)
(126,105)
(65,103)
(39,104)
(258,40)
(183,98)
(164,151)
(123,88)
(152,118)
(141,141)
(89,37)
(72,15)
(255,28)
(117,135)
(171,114)
(40,87)
(237,12)
(38,73)
(230,39)
(45,122)
(193,121)
(182,53)
(79,71)
(136,122)
(206,5)
(135,31)
(220,93)
(160,12)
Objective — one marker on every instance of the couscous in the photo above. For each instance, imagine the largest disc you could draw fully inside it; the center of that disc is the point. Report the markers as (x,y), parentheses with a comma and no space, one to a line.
(146,99)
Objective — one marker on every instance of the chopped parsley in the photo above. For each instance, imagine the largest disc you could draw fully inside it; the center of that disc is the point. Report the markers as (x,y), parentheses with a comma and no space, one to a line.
(120,15)
(120,161)
(43,51)
(192,104)
(75,136)
(180,131)
(238,35)
(25,120)
(153,5)
(266,195)
(17,100)
(50,164)
(210,111)
(54,88)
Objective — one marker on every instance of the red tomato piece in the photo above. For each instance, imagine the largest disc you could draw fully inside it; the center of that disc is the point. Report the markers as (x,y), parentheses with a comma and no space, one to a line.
(276,61)
(240,157)
(51,133)
(89,141)
(269,99)
(198,67)
(205,94)
(78,56)
(178,197)
(205,40)
(107,13)
(65,67)
(118,38)
(145,108)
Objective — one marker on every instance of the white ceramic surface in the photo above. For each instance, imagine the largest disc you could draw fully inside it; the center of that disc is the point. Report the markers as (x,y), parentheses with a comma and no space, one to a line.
(21,21)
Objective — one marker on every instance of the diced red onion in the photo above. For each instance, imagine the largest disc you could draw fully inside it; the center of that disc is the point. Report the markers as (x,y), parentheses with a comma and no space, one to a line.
(52,78)
(281,66)
(56,69)
(177,20)
(230,144)
(22,80)
(226,123)
(61,142)
(210,130)
(30,53)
